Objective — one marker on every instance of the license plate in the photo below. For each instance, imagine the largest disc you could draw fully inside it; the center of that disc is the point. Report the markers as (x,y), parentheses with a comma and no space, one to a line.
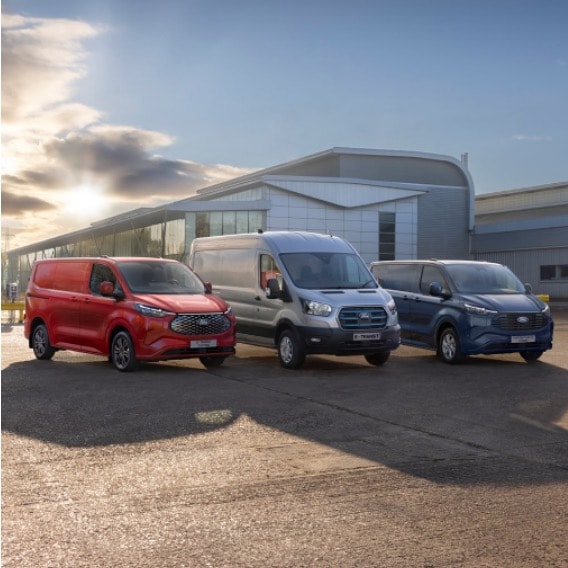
(197,343)
(523,339)
(366,336)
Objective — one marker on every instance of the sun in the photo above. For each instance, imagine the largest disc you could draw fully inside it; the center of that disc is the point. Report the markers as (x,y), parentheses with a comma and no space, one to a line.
(85,201)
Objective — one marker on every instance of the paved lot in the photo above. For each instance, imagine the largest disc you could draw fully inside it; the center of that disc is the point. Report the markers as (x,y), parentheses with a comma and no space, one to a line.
(415,464)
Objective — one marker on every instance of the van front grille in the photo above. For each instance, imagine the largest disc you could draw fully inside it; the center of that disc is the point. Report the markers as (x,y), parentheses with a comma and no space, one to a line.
(363,317)
(515,322)
(200,324)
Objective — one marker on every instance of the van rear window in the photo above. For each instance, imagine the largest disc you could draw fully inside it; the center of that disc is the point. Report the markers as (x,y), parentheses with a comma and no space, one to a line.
(402,277)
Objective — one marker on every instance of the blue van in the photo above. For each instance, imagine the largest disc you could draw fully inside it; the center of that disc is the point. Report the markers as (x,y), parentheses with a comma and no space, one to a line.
(465,307)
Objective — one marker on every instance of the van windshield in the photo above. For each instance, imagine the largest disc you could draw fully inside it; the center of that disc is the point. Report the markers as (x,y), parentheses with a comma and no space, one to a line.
(484,279)
(160,277)
(317,270)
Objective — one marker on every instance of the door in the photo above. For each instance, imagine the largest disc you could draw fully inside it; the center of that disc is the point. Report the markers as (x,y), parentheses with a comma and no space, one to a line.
(261,321)
(401,281)
(425,307)
(97,310)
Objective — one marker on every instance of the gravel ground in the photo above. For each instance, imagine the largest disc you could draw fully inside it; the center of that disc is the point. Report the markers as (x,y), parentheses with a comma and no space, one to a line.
(414,464)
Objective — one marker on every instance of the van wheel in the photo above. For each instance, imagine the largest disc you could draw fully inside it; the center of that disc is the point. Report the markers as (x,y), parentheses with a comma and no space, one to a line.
(212,361)
(530,356)
(122,352)
(40,343)
(291,352)
(378,359)
(449,349)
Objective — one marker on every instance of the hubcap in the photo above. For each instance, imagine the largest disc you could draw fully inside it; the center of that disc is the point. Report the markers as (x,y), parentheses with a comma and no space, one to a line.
(121,352)
(40,342)
(449,347)
(286,349)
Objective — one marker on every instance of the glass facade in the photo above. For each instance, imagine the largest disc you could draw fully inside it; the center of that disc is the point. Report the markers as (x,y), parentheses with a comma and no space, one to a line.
(170,238)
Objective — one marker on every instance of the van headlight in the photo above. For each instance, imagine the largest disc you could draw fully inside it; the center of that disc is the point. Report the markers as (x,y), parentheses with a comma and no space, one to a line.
(478,310)
(392,313)
(546,310)
(151,311)
(313,308)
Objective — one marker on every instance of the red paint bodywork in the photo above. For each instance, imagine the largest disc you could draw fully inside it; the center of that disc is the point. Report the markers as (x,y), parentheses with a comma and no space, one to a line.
(59,296)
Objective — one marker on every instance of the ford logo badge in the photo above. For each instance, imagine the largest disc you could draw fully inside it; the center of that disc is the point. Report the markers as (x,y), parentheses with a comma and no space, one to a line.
(365,316)
(523,319)
(203,322)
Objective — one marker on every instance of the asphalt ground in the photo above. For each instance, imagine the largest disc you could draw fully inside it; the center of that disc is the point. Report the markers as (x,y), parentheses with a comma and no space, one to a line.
(413,464)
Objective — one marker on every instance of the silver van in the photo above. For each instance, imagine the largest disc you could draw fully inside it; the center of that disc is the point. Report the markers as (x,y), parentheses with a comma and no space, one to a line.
(300,292)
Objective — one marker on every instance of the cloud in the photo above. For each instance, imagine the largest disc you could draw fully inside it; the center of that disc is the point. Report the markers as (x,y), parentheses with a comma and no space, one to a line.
(54,147)
(14,204)
(120,158)
(41,60)
(524,138)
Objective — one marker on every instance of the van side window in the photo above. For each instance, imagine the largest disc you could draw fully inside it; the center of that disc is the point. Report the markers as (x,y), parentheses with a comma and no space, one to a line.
(268,270)
(101,273)
(431,274)
(403,277)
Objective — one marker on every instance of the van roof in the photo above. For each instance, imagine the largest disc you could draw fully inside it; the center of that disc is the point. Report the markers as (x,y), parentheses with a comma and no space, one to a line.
(110,258)
(302,241)
(432,261)
(285,241)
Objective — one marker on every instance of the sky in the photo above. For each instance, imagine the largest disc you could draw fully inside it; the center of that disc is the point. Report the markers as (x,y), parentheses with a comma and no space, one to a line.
(113,105)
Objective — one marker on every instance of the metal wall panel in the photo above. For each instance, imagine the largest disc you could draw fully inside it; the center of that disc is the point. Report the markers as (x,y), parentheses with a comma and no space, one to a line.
(443,224)
(526,265)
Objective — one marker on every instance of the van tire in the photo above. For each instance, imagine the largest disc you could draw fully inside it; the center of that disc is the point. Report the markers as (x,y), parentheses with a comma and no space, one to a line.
(40,343)
(531,356)
(122,353)
(291,352)
(378,359)
(212,361)
(449,349)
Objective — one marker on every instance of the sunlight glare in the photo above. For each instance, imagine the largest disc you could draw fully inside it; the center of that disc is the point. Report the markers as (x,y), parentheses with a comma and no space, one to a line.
(85,201)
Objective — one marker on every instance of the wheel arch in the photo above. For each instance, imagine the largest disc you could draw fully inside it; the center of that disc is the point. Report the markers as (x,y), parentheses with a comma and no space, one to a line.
(113,331)
(441,326)
(281,326)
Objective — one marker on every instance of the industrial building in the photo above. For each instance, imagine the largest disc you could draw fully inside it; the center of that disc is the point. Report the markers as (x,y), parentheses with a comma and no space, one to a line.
(527,230)
(388,204)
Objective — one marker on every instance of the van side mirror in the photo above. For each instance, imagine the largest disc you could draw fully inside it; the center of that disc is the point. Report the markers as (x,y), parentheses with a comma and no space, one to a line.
(528,288)
(106,288)
(208,288)
(273,289)
(437,290)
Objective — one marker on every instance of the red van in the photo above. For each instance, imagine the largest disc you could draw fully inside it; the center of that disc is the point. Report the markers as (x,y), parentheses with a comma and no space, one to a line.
(127,309)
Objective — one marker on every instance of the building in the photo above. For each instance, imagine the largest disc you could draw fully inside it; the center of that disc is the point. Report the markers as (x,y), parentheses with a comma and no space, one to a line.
(388,204)
(527,230)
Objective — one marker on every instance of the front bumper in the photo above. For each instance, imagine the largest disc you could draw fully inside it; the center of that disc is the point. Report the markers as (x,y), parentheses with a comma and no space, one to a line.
(340,342)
